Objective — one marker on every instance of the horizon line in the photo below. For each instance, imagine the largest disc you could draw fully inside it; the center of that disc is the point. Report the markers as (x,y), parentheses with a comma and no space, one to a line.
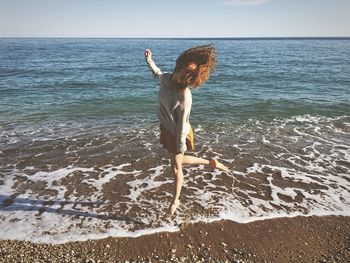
(182,38)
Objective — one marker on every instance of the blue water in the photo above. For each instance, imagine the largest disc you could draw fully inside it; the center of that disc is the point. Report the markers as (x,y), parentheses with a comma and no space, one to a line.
(108,80)
(79,135)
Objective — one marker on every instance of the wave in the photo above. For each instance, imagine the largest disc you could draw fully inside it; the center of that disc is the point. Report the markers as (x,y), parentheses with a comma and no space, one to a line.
(82,187)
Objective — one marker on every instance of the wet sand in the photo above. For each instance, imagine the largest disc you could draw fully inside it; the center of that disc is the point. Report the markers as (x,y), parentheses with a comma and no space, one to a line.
(298,239)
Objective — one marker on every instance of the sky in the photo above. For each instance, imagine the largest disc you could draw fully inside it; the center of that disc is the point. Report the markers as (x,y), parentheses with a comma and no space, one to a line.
(174,18)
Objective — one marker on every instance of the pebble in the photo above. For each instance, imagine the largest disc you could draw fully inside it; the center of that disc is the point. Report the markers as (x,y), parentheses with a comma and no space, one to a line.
(223,244)
(26,252)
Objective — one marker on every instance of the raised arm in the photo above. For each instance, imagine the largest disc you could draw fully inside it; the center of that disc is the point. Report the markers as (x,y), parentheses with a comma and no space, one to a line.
(157,73)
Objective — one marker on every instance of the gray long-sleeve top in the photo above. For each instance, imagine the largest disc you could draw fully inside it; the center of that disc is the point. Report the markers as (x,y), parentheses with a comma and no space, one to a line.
(174,107)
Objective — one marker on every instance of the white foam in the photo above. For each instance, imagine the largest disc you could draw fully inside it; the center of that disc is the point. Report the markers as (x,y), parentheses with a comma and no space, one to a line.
(136,185)
(23,215)
(307,160)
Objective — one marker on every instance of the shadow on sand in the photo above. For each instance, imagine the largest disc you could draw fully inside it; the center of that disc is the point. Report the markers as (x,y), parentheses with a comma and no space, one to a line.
(13,203)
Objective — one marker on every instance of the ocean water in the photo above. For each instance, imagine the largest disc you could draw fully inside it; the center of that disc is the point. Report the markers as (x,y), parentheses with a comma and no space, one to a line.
(79,151)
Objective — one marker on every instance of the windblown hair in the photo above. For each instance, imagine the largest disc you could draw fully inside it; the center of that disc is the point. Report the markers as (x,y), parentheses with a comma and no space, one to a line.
(199,62)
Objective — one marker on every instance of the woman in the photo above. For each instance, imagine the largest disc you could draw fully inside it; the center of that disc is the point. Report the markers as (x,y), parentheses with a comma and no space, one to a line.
(175,100)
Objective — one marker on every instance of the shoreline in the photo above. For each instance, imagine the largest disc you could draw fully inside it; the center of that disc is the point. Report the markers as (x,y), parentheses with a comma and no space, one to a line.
(296,239)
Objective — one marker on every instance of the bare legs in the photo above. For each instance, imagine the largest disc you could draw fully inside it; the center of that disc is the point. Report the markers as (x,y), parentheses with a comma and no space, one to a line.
(177,160)
(176,167)
(213,163)
(188,159)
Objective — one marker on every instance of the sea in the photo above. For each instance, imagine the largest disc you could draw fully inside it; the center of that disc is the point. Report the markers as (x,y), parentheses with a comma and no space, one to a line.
(79,136)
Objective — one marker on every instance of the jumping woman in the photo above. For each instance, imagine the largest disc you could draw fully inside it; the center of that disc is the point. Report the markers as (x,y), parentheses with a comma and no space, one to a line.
(175,100)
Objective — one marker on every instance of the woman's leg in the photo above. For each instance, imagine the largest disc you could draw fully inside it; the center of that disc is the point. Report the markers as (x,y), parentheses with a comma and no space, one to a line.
(176,166)
(177,160)
(188,159)
(213,163)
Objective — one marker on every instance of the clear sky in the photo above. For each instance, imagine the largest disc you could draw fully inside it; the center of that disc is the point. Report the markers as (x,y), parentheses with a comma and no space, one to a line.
(174,18)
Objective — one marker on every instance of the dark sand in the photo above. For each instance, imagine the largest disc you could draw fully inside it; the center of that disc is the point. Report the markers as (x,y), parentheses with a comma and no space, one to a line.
(299,239)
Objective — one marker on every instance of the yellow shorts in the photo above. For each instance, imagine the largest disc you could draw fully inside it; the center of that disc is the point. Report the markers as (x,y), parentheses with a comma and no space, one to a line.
(169,141)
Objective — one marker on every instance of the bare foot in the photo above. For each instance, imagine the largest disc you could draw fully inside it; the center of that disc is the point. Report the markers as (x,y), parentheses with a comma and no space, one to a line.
(172,208)
(213,163)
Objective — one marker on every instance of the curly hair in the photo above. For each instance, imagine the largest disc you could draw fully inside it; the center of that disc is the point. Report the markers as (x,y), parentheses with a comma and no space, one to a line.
(199,61)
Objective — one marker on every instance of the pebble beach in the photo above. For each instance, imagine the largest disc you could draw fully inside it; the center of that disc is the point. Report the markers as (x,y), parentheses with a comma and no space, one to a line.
(299,239)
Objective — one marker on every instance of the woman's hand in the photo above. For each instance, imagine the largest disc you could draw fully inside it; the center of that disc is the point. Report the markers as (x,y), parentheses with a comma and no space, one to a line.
(148,54)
